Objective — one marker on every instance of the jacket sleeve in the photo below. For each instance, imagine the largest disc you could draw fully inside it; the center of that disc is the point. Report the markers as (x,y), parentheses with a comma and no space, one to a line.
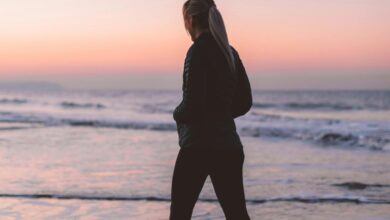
(190,108)
(242,99)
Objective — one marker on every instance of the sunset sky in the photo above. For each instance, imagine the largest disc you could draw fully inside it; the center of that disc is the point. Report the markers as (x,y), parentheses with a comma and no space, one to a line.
(134,44)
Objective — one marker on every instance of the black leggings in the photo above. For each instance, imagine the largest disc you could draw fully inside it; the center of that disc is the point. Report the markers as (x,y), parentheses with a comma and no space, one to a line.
(192,167)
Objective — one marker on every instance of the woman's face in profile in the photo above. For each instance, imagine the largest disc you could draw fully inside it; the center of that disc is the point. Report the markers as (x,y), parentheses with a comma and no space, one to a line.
(188,26)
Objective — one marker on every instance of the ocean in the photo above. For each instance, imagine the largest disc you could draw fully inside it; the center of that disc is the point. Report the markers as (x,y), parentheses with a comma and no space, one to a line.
(109,154)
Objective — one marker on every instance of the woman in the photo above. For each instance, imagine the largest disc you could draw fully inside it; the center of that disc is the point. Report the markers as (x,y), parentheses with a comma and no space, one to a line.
(216,90)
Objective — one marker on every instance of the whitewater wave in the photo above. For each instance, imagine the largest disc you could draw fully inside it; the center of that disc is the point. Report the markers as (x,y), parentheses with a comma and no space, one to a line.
(323,138)
(339,135)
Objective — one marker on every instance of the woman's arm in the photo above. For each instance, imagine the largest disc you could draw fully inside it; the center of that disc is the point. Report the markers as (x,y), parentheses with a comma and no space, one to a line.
(190,109)
(242,99)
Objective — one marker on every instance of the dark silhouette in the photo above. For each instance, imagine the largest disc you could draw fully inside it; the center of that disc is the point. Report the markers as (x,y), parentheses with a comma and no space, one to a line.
(216,90)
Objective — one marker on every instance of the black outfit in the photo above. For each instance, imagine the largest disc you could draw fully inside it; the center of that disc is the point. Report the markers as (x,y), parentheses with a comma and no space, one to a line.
(213,96)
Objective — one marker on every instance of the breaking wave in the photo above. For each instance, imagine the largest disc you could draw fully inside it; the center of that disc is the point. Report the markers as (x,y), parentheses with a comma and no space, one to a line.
(323,138)
(322,132)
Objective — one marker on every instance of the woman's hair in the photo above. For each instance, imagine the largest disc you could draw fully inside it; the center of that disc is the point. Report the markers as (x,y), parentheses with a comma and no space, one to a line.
(205,15)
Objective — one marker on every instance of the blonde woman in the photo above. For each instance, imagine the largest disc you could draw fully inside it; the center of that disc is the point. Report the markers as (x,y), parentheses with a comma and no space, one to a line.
(216,90)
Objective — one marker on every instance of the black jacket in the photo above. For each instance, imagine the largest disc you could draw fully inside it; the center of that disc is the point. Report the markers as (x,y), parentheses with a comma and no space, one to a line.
(212,97)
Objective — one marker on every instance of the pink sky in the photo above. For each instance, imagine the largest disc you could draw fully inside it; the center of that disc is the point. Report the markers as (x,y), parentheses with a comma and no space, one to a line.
(125,36)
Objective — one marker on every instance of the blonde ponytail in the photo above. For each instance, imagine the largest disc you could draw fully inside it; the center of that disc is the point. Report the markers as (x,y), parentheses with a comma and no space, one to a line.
(207,16)
(218,30)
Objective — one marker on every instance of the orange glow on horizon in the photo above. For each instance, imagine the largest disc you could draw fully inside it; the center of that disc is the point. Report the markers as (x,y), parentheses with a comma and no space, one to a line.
(149,37)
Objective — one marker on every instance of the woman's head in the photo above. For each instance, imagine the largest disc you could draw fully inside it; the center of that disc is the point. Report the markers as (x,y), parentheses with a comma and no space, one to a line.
(203,15)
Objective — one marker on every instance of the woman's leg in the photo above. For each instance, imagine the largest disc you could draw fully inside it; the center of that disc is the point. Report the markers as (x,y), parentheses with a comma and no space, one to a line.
(227,178)
(188,179)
